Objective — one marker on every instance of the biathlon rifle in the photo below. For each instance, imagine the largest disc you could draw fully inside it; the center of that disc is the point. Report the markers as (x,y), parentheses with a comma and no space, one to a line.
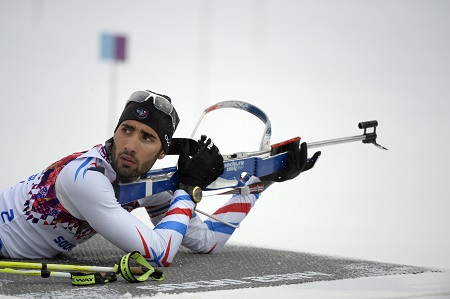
(269,159)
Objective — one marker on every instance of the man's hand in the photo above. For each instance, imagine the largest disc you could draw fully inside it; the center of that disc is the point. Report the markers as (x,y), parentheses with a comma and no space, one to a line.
(297,162)
(203,168)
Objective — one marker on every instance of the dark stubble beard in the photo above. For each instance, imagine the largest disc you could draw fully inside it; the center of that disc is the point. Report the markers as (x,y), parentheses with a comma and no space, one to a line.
(125,173)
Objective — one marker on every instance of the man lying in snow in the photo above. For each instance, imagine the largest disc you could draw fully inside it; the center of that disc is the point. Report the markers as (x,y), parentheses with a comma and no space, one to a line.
(74,198)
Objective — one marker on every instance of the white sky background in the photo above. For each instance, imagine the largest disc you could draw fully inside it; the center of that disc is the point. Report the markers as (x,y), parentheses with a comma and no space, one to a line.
(317,68)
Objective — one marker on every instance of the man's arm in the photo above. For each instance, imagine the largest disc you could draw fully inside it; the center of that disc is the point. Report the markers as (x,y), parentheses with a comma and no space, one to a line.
(93,196)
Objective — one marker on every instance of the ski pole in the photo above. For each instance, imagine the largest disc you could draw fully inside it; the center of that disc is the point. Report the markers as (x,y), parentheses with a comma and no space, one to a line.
(56,267)
(85,275)
(35,273)
(78,278)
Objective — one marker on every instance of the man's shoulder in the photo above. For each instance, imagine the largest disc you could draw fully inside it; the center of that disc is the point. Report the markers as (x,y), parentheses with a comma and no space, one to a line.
(99,151)
(94,159)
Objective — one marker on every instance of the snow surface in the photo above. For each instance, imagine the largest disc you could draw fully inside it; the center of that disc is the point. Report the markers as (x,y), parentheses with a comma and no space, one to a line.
(425,285)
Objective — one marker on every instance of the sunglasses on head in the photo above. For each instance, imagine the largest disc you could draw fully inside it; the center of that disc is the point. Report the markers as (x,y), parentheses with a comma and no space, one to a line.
(160,103)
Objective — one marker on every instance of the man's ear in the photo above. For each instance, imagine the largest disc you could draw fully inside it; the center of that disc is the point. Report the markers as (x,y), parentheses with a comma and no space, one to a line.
(162,154)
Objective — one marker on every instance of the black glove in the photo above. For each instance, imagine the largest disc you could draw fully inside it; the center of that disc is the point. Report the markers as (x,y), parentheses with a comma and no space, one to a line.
(297,162)
(203,168)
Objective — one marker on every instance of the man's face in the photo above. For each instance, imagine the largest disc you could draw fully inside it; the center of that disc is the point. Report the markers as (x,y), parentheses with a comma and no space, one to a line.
(135,149)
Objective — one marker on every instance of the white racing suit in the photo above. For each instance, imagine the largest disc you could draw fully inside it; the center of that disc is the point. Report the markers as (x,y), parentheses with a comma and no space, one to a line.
(73,199)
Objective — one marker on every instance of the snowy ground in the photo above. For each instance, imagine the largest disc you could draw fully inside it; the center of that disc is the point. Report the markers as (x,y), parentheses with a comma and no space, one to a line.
(425,285)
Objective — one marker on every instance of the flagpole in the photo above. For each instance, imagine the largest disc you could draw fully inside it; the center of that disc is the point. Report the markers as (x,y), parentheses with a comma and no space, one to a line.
(113,49)
(112,117)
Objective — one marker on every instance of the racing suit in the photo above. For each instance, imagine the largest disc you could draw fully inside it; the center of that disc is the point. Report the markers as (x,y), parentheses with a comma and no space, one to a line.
(74,198)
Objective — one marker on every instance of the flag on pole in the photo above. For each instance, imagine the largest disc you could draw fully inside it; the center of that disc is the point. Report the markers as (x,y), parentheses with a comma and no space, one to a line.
(113,47)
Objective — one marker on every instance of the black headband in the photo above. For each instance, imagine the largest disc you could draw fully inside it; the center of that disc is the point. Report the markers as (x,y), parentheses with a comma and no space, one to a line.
(147,113)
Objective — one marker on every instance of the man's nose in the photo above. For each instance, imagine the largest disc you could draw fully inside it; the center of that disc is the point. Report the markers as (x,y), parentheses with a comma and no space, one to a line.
(131,144)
